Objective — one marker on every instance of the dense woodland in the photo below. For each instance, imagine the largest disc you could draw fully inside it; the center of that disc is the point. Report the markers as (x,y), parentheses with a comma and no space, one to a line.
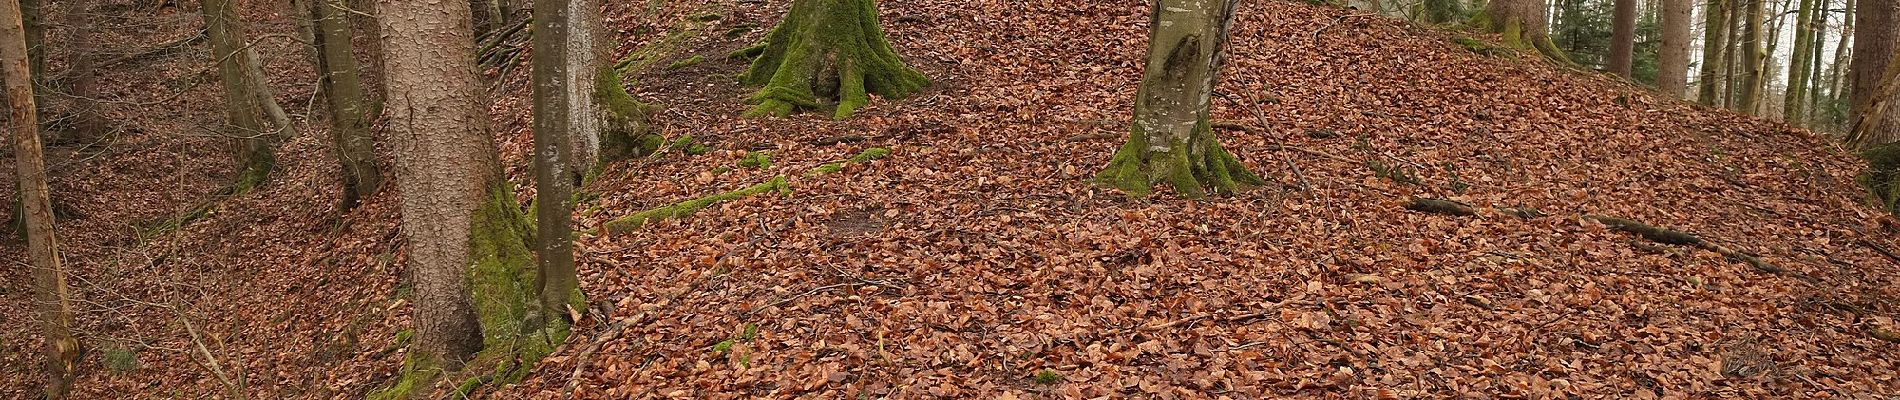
(396,199)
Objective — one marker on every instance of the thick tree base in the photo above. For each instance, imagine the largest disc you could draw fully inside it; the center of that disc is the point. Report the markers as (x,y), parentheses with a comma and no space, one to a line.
(1517,38)
(515,330)
(626,132)
(1192,169)
(826,50)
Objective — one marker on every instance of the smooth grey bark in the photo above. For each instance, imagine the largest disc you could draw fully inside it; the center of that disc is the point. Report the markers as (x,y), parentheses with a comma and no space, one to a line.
(566,138)
(350,138)
(252,143)
(1672,58)
(1171,140)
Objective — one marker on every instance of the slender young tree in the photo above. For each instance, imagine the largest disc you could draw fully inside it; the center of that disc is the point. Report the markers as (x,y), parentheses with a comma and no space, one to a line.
(54,309)
(1171,141)
(1623,38)
(1816,80)
(1876,120)
(1672,59)
(1523,25)
(457,209)
(350,138)
(1837,79)
(1714,45)
(1753,59)
(823,50)
(1794,104)
(243,107)
(566,138)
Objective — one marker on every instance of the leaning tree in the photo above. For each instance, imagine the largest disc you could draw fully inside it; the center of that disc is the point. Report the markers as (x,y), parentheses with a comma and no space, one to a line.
(826,50)
(1171,140)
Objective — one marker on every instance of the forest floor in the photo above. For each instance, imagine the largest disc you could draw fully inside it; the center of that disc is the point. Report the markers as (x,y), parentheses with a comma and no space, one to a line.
(977,260)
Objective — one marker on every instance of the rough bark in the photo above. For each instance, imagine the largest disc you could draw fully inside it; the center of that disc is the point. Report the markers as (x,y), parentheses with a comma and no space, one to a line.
(1523,25)
(1170,141)
(1623,38)
(1714,45)
(1816,80)
(1837,80)
(446,167)
(350,137)
(1874,48)
(1794,104)
(1672,59)
(1753,59)
(566,138)
(53,309)
(251,141)
(826,50)
(83,105)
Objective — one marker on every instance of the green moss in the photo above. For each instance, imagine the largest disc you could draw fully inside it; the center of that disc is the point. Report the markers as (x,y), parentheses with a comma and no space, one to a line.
(686,62)
(1189,167)
(119,358)
(868,155)
(418,373)
(502,281)
(756,160)
(1047,377)
(626,132)
(871,154)
(1882,177)
(826,50)
(686,208)
(740,30)
(254,175)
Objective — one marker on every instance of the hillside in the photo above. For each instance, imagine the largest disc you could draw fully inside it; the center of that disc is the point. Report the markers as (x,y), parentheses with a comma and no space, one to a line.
(976,261)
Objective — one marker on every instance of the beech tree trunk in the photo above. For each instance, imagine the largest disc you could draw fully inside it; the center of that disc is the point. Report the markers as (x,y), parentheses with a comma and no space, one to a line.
(53,308)
(1753,59)
(350,137)
(1523,25)
(1672,59)
(1623,38)
(1171,141)
(1874,48)
(566,139)
(1714,48)
(1837,80)
(252,142)
(1816,79)
(1794,104)
(826,50)
(446,167)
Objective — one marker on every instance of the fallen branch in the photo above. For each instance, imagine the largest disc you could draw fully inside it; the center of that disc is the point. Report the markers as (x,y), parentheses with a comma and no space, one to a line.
(1460,209)
(1880,249)
(685,208)
(1668,236)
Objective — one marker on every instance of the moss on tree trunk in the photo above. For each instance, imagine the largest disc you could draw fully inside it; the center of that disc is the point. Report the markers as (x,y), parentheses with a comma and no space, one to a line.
(625,132)
(826,50)
(1171,141)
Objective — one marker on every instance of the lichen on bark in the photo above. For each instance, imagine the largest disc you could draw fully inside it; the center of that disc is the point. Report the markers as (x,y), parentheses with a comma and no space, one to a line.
(826,50)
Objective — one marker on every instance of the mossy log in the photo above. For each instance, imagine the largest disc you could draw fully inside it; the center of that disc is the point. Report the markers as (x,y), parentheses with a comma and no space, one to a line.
(868,155)
(685,208)
(826,50)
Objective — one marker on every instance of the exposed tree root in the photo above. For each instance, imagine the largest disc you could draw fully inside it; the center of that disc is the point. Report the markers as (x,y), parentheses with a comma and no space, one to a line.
(868,155)
(826,49)
(685,208)
(1190,168)
(1668,236)
(1460,209)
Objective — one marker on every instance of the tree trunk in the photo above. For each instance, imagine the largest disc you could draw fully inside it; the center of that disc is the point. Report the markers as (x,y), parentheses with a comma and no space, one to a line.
(1874,48)
(1623,38)
(354,146)
(1714,43)
(1523,25)
(1794,105)
(566,139)
(54,310)
(1837,80)
(1753,57)
(1672,59)
(826,49)
(1817,47)
(251,141)
(1443,11)
(83,105)
(1171,141)
(446,168)
(486,15)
